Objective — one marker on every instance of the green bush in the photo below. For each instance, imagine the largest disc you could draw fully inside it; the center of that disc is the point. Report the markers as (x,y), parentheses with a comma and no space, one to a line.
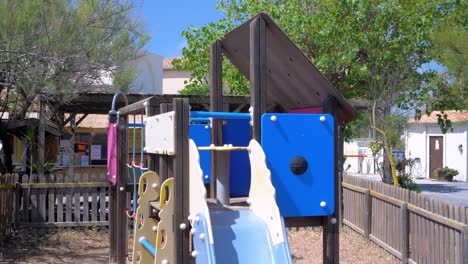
(405,181)
(445,174)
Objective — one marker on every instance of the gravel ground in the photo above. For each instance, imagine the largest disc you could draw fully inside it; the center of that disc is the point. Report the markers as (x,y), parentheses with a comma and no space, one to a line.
(91,246)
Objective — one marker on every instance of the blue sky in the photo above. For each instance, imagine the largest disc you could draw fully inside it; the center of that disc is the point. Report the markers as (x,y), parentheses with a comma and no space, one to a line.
(166,19)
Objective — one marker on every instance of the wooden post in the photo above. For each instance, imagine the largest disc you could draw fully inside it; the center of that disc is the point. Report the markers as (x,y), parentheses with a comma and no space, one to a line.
(71,150)
(331,231)
(41,138)
(152,108)
(181,181)
(340,138)
(404,233)
(164,159)
(216,105)
(367,213)
(464,234)
(122,171)
(257,73)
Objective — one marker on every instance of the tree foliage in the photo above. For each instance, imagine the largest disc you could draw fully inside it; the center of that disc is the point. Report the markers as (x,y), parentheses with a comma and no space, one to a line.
(372,50)
(56,49)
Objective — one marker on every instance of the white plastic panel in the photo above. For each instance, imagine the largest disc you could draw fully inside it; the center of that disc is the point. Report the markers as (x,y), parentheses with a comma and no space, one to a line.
(159,134)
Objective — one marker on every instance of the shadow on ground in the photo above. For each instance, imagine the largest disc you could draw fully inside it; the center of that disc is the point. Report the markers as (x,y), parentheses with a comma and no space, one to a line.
(440,188)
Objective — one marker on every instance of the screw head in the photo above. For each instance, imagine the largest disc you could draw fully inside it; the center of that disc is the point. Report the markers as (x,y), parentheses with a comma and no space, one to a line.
(202,236)
(122,189)
(182,226)
(273,118)
(323,204)
(322,119)
(333,220)
(194,253)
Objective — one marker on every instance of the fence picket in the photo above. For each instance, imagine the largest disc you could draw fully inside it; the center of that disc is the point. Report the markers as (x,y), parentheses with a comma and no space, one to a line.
(85,200)
(59,193)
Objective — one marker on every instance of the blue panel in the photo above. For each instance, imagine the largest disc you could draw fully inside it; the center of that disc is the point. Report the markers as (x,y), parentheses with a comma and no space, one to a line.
(293,135)
(205,250)
(200,133)
(242,237)
(237,133)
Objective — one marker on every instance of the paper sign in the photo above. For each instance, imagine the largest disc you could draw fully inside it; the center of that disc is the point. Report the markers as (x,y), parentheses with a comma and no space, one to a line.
(96,152)
(437,144)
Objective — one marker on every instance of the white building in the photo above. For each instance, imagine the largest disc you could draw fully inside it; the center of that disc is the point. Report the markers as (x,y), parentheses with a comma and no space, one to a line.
(173,81)
(424,140)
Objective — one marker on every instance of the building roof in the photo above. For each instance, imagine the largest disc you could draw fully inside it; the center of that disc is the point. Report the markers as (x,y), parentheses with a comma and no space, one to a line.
(167,62)
(453,115)
(292,80)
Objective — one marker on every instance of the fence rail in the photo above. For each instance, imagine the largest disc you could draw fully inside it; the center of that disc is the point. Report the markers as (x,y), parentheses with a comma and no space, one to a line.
(411,226)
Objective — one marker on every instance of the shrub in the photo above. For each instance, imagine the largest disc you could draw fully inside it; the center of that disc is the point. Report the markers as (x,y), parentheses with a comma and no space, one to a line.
(445,174)
(405,181)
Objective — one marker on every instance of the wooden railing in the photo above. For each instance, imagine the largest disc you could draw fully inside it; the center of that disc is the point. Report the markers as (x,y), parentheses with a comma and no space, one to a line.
(7,203)
(52,201)
(411,226)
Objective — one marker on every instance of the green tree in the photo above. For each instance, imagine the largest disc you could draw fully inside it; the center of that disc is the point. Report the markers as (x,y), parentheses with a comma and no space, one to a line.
(55,49)
(370,50)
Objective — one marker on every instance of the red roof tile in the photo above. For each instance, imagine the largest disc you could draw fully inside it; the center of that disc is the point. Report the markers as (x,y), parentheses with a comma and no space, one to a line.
(167,62)
(454,116)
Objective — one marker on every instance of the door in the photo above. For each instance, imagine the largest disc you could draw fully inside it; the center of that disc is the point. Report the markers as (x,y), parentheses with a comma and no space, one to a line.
(436,154)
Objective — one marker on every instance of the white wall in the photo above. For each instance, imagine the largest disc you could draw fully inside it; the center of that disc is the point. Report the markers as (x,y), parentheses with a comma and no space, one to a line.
(417,146)
(454,158)
(149,70)
(173,81)
(363,165)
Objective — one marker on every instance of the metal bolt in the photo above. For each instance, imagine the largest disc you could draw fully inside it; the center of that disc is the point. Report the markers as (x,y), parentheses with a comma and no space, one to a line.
(333,220)
(323,204)
(206,176)
(183,226)
(194,253)
(122,189)
(322,119)
(207,127)
(273,118)
(202,236)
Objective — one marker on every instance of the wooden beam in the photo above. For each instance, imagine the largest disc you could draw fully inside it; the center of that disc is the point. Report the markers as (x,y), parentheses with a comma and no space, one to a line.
(257,73)
(41,138)
(331,230)
(69,118)
(216,105)
(164,159)
(152,108)
(81,119)
(122,171)
(181,181)
(71,149)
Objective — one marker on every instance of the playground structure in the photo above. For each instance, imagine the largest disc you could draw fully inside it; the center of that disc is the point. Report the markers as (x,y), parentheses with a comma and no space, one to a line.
(277,165)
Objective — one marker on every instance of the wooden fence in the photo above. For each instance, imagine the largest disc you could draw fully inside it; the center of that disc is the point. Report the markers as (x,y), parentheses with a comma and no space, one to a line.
(411,226)
(7,203)
(51,201)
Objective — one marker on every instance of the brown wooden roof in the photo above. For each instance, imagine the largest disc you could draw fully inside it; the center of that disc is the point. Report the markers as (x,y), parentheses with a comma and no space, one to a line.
(292,80)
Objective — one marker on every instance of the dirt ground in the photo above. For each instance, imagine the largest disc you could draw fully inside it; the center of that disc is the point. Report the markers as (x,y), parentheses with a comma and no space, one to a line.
(91,246)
